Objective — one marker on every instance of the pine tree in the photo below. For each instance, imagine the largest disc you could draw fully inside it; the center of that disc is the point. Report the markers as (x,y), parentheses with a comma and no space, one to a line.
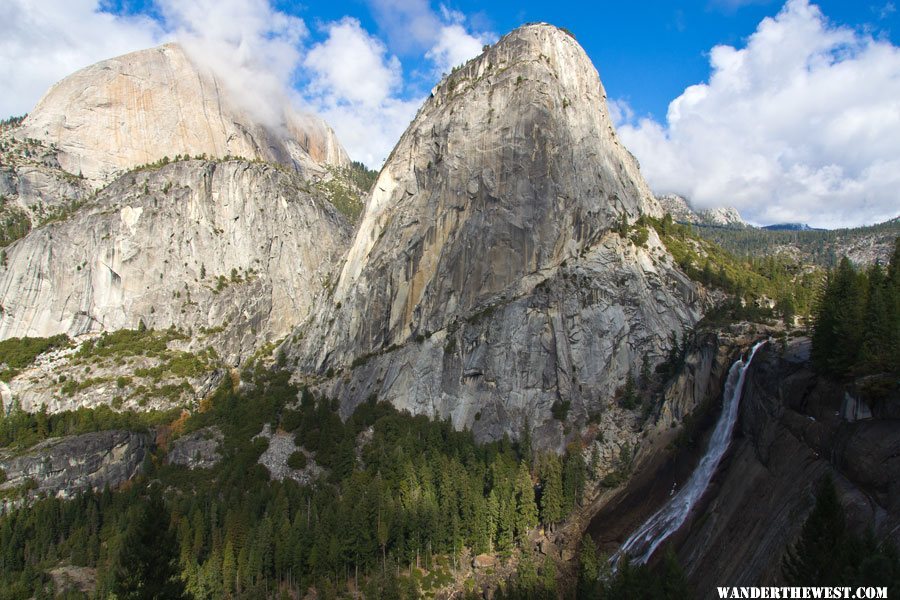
(526,509)
(629,396)
(525,449)
(574,477)
(837,338)
(877,336)
(589,569)
(146,566)
(229,569)
(816,558)
(645,373)
(672,582)
(552,490)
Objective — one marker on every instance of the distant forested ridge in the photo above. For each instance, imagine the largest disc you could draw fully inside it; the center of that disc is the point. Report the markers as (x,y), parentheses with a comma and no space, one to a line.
(820,247)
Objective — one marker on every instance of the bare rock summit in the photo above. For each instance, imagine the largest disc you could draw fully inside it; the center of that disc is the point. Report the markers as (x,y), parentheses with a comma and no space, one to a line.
(494,273)
(682,211)
(137,108)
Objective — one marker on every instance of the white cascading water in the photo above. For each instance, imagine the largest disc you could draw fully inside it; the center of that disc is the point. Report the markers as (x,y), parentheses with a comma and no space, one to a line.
(641,545)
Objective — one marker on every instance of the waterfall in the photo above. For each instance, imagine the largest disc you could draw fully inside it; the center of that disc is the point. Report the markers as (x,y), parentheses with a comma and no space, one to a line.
(641,545)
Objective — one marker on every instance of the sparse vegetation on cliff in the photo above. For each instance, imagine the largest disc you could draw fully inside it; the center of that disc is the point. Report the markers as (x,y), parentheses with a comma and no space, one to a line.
(18,353)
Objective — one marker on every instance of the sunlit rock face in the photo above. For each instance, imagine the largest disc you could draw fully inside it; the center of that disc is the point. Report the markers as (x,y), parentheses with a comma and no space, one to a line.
(234,248)
(137,108)
(486,281)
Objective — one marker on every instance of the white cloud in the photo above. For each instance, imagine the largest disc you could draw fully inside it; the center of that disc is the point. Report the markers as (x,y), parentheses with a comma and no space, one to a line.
(253,49)
(42,42)
(356,88)
(412,26)
(620,112)
(352,65)
(257,52)
(357,85)
(454,46)
(802,124)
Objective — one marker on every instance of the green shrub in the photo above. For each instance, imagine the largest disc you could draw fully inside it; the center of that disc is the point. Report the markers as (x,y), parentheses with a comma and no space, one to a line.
(560,409)
(640,236)
(18,353)
(129,342)
(291,419)
(297,460)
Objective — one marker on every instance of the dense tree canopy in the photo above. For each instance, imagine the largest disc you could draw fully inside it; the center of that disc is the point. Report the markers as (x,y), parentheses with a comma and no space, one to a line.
(857,321)
(399,492)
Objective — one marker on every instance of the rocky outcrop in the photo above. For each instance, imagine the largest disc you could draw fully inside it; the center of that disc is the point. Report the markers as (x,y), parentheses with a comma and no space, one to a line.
(137,108)
(197,450)
(234,252)
(486,282)
(40,188)
(65,466)
(33,188)
(683,212)
(275,458)
(791,434)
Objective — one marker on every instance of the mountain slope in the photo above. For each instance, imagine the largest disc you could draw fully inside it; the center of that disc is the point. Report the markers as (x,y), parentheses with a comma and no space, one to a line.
(824,248)
(224,245)
(487,280)
(137,108)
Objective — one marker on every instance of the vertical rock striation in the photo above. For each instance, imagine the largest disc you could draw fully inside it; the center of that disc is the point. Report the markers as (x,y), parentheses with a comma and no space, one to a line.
(487,279)
(239,249)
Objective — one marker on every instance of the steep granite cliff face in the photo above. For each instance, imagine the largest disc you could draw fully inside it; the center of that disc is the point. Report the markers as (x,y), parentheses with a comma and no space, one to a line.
(792,431)
(137,108)
(65,466)
(488,278)
(238,249)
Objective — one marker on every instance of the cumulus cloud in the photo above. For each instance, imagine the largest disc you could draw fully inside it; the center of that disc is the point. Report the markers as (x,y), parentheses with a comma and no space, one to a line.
(352,65)
(257,51)
(454,45)
(42,42)
(801,124)
(444,35)
(355,86)
(358,85)
(251,47)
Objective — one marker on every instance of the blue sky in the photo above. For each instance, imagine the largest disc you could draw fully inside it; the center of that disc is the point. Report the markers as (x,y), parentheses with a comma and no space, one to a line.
(789,111)
(647,52)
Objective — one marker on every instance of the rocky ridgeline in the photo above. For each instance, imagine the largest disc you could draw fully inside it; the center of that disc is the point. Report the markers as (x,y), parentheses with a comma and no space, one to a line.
(682,212)
(34,189)
(496,277)
(486,281)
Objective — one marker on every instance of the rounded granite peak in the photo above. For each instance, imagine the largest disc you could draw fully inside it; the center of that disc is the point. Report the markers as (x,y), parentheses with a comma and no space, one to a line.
(542,28)
(142,106)
(510,171)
